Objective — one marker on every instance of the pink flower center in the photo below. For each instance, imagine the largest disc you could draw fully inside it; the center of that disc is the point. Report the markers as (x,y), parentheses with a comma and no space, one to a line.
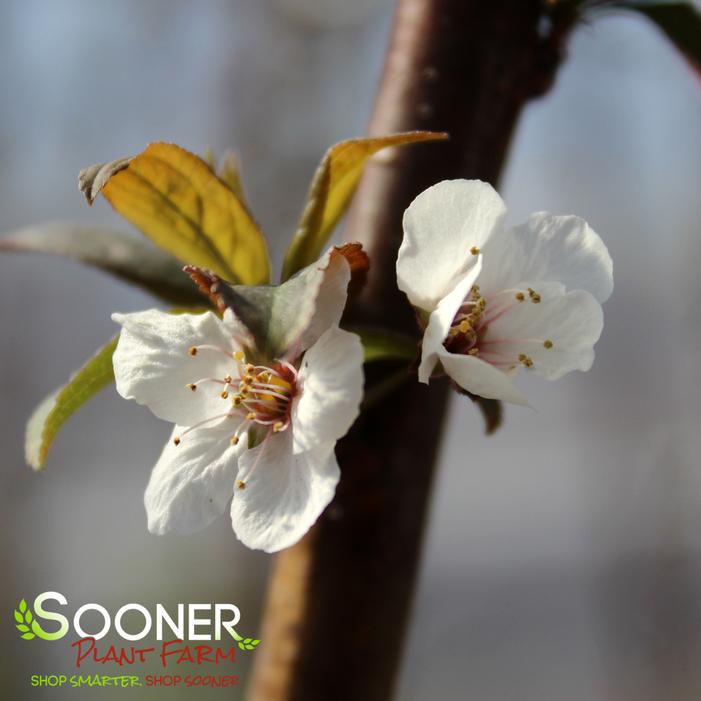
(469,332)
(261,395)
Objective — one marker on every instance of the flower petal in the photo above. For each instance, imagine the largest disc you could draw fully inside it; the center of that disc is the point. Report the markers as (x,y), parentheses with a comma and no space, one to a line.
(330,298)
(547,247)
(558,334)
(440,321)
(193,481)
(441,226)
(331,381)
(284,493)
(480,378)
(152,364)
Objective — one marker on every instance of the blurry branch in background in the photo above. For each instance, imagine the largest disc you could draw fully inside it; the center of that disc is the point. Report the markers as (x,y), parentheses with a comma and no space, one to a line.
(338,603)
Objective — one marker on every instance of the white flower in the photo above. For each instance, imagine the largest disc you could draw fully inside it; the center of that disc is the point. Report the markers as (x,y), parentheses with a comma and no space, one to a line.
(262,429)
(496,300)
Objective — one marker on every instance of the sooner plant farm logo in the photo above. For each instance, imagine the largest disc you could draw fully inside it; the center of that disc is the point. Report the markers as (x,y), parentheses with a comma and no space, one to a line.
(29,627)
(182,633)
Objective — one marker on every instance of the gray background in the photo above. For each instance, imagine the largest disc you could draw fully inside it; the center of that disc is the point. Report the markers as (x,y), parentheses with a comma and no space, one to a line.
(562,558)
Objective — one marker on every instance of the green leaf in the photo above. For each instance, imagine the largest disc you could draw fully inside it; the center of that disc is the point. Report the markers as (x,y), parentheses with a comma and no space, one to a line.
(28,636)
(22,628)
(385,345)
(29,616)
(123,256)
(680,22)
(278,317)
(176,199)
(57,408)
(255,642)
(19,617)
(331,191)
(242,646)
(23,606)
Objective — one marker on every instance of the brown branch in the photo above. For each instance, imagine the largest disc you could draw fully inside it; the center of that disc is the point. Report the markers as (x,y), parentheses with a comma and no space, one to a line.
(339,601)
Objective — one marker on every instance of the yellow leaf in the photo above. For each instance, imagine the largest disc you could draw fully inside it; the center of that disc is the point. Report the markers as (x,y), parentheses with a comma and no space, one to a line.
(230,173)
(176,200)
(331,190)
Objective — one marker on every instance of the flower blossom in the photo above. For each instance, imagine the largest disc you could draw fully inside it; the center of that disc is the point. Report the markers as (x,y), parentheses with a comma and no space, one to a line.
(495,300)
(257,408)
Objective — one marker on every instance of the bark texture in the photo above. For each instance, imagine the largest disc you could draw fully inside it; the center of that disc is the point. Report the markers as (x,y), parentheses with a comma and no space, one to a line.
(339,602)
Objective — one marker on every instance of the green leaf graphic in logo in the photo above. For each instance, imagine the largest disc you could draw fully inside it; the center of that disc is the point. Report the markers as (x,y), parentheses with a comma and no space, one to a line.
(23,619)
(245,643)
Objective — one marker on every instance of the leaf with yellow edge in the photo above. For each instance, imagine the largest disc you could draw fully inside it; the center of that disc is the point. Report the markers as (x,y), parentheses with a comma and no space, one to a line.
(177,200)
(331,190)
(48,418)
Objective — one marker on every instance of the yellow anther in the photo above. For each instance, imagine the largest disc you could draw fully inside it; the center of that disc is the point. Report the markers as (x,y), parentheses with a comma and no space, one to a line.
(237,400)
(234,440)
(249,369)
(192,350)
(176,440)
(224,395)
(474,250)
(473,351)
(192,386)
(238,355)
(520,296)
(251,416)
(227,379)
(278,426)
(240,484)
(244,390)
(464,326)
(247,380)
(548,343)
(535,297)
(525,360)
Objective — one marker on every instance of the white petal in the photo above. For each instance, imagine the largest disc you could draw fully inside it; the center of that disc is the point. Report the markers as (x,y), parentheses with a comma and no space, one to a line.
(440,227)
(331,381)
(237,330)
(284,493)
(571,321)
(192,482)
(331,297)
(549,248)
(440,321)
(480,378)
(152,364)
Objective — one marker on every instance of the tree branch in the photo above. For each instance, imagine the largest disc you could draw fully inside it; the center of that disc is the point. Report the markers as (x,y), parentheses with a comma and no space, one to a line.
(339,601)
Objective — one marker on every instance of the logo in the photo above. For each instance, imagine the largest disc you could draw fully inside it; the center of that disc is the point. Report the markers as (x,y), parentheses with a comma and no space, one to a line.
(194,622)
(50,618)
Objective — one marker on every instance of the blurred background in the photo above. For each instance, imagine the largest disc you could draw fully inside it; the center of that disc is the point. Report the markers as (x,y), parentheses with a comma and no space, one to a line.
(562,560)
